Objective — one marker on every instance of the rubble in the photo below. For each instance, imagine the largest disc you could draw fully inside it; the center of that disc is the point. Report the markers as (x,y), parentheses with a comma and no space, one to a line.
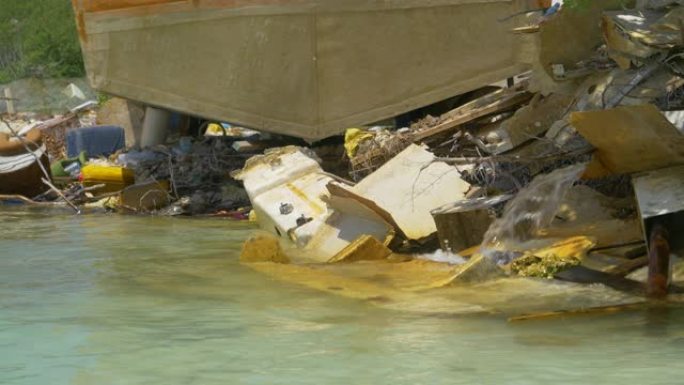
(495,102)
(549,149)
(368,150)
(23,164)
(525,181)
(289,192)
(530,265)
(89,163)
(145,197)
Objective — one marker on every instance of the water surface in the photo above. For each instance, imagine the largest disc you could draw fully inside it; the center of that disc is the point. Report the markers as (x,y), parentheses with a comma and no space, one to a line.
(107,299)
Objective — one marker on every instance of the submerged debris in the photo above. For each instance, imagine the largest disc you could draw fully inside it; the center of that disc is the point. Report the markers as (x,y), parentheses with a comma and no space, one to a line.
(531,265)
(529,177)
(555,149)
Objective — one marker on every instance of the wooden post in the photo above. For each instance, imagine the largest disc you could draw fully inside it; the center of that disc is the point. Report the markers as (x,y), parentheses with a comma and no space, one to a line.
(9,100)
(463,224)
(659,262)
(460,230)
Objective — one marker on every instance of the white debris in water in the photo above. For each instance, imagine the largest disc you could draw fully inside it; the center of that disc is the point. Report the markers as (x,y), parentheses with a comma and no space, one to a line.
(442,256)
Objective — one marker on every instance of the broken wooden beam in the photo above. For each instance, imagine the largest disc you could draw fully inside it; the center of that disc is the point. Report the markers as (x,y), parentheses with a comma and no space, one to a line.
(627,267)
(497,101)
(581,274)
(580,311)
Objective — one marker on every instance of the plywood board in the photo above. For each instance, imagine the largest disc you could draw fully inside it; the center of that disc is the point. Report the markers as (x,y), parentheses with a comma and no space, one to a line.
(630,139)
(410,186)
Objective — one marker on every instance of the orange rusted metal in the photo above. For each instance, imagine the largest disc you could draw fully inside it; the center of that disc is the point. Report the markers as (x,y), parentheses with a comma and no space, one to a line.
(80,22)
(94,6)
(659,272)
(108,5)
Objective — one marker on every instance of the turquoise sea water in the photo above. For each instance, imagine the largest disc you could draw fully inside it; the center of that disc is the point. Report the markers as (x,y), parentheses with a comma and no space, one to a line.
(107,299)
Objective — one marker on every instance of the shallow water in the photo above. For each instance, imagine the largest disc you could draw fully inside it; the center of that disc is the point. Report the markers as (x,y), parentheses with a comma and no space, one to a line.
(124,300)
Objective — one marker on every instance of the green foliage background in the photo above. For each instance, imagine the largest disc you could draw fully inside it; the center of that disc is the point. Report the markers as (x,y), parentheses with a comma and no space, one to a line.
(38,39)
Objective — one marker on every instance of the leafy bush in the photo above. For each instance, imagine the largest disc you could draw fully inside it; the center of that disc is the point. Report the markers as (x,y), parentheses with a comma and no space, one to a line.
(38,38)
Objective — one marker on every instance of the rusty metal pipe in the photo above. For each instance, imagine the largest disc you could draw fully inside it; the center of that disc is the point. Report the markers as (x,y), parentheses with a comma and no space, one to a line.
(659,262)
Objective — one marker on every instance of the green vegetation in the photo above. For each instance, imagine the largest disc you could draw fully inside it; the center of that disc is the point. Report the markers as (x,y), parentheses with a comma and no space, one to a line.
(38,38)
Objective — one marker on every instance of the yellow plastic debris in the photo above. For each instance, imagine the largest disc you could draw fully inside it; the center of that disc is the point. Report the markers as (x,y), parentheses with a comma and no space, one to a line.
(253,216)
(114,178)
(364,248)
(576,247)
(363,280)
(548,261)
(353,138)
(215,129)
(263,248)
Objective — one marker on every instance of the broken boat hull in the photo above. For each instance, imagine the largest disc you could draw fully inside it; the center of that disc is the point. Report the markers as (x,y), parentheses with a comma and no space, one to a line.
(20,174)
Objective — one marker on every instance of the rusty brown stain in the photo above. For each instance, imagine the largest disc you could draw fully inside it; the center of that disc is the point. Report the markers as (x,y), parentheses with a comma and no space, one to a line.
(659,261)
(245,3)
(80,26)
(109,5)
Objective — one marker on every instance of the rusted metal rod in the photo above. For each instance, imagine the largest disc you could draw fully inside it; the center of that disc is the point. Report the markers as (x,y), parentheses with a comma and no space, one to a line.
(659,262)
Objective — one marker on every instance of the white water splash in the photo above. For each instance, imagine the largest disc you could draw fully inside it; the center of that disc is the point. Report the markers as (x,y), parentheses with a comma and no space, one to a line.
(442,256)
(532,209)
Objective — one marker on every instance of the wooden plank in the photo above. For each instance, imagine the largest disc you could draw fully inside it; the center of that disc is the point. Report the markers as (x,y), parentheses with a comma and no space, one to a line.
(526,29)
(630,139)
(580,311)
(9,100)
(581,274)
(491,103)
(627,267)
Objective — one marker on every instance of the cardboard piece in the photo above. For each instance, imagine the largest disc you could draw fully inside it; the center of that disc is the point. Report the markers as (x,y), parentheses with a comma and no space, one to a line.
(629,139)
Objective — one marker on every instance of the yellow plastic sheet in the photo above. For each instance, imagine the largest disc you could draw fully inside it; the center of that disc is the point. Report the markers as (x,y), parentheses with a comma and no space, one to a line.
(353,138)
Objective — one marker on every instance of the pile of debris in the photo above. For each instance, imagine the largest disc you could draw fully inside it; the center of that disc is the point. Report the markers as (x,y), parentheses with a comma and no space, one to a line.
(197,173)
(70,161)
(28,144)
(573,173)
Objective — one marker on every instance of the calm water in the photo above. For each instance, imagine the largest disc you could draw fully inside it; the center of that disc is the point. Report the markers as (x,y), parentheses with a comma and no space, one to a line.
(123,300)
